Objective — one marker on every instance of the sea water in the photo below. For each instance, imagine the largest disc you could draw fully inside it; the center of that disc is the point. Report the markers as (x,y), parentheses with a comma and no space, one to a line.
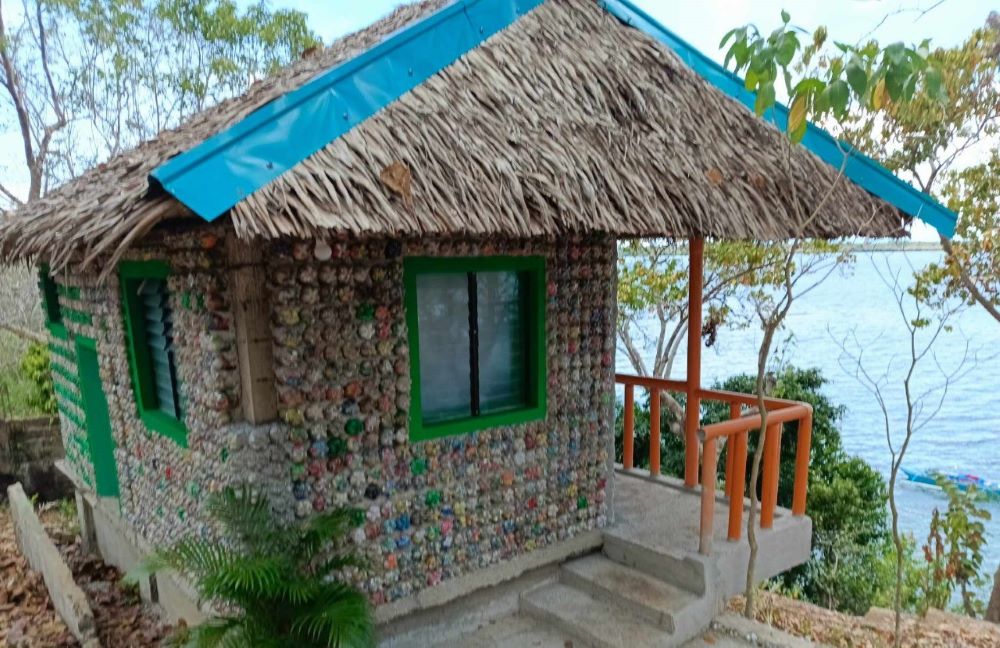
(856,305)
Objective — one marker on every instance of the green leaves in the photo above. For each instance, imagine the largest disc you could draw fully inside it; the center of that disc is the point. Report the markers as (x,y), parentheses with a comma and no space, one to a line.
(840,95)
(277,577)
(765,98)
(797,118)
(846,79)
(857,78)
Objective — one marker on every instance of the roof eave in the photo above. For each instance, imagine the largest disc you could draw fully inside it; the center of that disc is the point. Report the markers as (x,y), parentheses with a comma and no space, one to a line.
(857,167)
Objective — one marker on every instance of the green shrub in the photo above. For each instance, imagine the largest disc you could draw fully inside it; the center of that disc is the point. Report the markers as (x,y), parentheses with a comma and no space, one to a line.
(36,367)
(277,586)
(953,553)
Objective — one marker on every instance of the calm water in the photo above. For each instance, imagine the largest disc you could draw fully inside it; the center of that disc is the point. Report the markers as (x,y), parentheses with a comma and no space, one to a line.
(963,437)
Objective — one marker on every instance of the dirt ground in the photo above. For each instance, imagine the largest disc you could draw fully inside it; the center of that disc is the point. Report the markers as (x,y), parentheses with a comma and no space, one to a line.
(875,630)
(27,619)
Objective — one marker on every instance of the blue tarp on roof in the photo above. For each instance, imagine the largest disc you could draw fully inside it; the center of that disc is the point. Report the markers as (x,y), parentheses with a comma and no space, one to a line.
(218,173)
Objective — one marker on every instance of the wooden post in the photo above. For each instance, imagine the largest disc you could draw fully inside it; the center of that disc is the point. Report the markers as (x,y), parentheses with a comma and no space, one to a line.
(803,444)
(252,321)
(772,465)
(734,413)
(738,446)
(691,419)
(708,467)
(628,431)
(654,432)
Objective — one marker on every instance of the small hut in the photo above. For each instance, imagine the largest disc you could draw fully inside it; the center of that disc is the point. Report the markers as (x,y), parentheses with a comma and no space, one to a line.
(385,277)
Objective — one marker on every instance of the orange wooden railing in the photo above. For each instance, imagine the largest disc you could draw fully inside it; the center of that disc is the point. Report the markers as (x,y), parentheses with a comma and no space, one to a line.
(736,432)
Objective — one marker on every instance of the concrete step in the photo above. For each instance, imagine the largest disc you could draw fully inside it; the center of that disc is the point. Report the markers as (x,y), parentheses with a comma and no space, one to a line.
(657,601)
(519,631)
(593,621)
(683,570)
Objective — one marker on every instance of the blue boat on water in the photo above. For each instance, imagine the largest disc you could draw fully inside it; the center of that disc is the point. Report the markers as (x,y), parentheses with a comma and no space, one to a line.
(962,480)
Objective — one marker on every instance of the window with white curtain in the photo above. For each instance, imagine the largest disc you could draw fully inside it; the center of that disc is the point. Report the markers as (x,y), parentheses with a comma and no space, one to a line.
(478,328)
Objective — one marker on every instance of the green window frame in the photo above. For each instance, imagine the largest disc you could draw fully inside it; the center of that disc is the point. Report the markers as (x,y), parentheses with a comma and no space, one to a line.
(531,276)
(150,351)
(50,303)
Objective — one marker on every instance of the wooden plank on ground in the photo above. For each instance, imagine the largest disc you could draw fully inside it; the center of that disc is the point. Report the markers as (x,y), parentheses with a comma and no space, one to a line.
(68,599)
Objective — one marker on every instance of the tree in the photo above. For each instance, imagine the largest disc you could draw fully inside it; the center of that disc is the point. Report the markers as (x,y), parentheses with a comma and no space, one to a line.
(277,586)
(928,140)
(925,327)
(653,286)
(87,79)
(993,609)
(830,84)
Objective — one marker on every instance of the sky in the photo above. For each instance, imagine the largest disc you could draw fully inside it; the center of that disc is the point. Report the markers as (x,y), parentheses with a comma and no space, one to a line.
(702,23)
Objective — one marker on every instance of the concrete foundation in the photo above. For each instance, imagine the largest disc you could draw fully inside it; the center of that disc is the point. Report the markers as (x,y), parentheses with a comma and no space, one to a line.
(29,449)
(641,581)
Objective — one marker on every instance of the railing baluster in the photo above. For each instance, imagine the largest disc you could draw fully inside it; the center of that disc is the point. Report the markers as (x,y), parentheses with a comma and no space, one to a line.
(772,464)
(628,432)
(734,412)
(736,432)
(654,431)
(802,465)
(738,446)
(708,477)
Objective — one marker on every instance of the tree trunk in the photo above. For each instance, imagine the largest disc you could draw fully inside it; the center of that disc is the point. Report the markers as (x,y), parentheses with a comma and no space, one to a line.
(993,610)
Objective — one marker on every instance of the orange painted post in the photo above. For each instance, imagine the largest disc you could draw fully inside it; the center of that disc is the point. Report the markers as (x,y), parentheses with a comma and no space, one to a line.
(738,446)
(769,487)
(654,431)
(734,412)
(802,465)
(691,418)
(708,467)
(628,433)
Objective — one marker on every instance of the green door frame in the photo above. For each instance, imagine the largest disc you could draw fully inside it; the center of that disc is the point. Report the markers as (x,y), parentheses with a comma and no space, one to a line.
(95,404)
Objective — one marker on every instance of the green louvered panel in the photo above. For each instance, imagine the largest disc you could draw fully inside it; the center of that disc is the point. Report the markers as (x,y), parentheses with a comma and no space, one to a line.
(159,340)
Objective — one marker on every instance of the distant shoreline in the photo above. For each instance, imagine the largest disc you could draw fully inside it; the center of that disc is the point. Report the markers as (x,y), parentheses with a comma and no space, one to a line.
(885,245)
(895,246)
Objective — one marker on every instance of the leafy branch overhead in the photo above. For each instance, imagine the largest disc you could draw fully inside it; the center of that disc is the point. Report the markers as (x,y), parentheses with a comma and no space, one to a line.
(820,81)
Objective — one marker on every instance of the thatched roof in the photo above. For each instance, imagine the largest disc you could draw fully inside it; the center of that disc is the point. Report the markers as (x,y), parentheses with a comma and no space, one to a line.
(567,121)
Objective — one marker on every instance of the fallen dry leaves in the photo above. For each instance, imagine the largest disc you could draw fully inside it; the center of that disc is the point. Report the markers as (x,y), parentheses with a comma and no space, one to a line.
(875,630)
(27,619)
(122,617)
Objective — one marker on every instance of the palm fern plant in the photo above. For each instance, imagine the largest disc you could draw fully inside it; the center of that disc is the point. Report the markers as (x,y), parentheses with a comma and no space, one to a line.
(275,584)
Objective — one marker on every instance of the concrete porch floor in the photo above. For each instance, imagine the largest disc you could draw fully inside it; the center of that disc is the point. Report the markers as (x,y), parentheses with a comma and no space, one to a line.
(662,516)
(643,584)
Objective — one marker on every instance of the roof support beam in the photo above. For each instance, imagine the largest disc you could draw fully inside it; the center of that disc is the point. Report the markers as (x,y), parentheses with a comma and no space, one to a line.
(692,409)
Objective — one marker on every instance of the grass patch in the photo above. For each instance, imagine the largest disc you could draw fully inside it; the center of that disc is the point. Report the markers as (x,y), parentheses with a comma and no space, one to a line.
(16,388)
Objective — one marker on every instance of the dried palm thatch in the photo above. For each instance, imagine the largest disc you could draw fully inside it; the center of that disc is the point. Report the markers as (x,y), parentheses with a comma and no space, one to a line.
(568,121)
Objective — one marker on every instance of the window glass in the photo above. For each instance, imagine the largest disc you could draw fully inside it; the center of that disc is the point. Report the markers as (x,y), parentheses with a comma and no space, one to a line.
(50,297)
(477,340)
(150,337)
(443,326)
(502,342)
(159,340)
